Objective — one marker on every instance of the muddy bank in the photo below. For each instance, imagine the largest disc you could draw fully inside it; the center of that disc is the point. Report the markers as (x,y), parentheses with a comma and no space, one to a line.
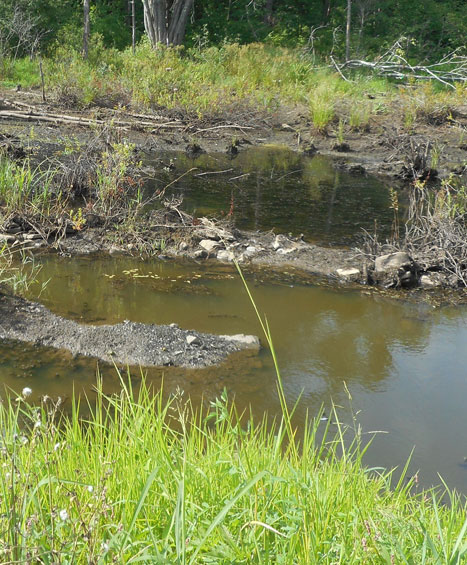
(127,343)
(202,239)
(385,146)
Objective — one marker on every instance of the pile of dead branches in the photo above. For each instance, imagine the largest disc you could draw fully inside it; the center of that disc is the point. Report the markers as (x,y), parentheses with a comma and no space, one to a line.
(393,63)
(435,231)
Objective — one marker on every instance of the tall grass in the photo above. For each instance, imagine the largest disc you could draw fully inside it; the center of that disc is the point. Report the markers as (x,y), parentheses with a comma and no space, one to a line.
(145,480)
(209,81)
(25,187)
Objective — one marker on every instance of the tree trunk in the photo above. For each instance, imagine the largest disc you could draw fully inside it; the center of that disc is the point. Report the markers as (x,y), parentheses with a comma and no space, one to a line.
(165,20)
(133,27)
(86,28)
(326,10)
(268,10)
(347,30)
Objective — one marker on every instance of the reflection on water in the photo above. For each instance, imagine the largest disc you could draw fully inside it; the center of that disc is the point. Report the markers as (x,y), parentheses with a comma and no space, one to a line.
(404,364)
(276,188)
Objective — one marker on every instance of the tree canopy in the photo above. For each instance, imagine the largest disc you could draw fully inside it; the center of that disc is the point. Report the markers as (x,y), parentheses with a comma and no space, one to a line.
(432,27)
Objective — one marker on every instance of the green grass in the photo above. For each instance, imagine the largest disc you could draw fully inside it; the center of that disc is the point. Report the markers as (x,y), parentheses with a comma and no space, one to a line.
(154,482)
(25,187)
(209,82)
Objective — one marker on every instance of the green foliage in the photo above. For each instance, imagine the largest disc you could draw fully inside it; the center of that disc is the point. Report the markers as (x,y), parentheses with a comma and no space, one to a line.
(23,187)
(432,28)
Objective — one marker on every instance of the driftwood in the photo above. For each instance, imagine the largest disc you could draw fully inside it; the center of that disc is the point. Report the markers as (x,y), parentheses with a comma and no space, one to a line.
(22,111)
(392,64)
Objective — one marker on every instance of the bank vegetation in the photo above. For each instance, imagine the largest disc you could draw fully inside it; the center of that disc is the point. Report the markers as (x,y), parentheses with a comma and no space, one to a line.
(142,479)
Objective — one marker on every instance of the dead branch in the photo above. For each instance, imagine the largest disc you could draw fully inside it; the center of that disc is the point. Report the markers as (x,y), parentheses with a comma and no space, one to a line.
(392,64)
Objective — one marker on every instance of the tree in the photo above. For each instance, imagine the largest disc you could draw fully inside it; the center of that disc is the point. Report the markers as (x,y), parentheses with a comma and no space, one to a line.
(86,28)
(165,20)
(347,30)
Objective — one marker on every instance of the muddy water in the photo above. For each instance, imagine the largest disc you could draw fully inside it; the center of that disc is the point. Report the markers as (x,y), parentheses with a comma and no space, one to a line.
(403,364)
(276,188)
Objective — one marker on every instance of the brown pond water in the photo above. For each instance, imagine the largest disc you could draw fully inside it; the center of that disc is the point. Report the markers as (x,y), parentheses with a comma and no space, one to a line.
(405,364)
(271,187)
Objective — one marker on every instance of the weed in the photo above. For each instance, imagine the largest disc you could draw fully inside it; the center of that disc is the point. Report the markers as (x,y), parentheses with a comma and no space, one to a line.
(322,113)
(340,131)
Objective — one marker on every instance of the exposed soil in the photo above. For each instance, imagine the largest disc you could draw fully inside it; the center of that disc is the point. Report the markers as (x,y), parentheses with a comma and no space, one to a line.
(128,343)
(382,147)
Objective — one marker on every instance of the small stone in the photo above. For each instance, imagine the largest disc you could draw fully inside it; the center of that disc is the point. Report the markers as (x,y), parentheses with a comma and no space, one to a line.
(193,340)
(183,246)
(209,245)
(200,254)
(432,280)
(225,255)
(349,273)
(250,341)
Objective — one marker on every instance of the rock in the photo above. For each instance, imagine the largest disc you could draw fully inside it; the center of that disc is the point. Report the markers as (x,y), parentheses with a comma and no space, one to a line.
(350,273)
(193,340)
(225,255)
(209,245)
(251,341)
(341,147)
(114,250)
(432,280)
(200,254)
(392,261)
(280,241)
(408,279)
(183,246)
(250,251)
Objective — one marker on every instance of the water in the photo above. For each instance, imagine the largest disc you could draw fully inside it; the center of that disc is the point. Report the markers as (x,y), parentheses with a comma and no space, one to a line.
(404,364)
(272,187)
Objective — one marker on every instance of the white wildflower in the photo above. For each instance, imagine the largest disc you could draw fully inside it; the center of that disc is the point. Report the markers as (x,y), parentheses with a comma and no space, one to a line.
(90,488)
(63,515)
(26,392)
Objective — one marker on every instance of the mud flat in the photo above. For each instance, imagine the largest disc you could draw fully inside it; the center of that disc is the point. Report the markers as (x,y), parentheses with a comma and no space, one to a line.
(126,343)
